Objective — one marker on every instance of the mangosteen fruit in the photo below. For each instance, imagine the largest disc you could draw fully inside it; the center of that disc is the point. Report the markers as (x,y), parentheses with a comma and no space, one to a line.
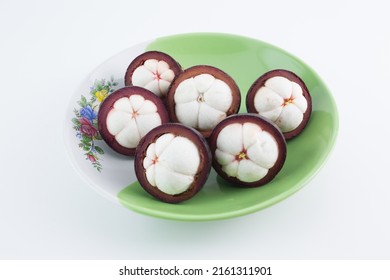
(248,150)
(126,115)
(172,162)
(201,96)
(282,97)
(153,70)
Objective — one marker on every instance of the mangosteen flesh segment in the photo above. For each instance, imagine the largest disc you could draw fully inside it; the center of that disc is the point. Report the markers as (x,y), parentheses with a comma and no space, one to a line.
(154,75)
(171,163)
(153,70)
(281,101)
(202,96)
(131,118)
(248,152)
(127,115)
(202,101)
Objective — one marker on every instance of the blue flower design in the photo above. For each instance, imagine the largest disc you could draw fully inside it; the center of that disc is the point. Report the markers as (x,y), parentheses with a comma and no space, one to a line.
(88,113)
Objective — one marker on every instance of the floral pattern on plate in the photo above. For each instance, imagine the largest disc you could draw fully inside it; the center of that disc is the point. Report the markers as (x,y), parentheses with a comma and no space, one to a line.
(85,120)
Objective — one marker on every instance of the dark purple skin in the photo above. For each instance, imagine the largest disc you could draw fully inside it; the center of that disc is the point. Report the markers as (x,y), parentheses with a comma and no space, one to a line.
(265,125)
(107,105)
(250,105)
(197,70)
(203,170)
(140,60)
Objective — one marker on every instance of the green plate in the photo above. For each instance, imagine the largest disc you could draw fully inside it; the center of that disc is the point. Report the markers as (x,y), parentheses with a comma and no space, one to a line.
(245,59)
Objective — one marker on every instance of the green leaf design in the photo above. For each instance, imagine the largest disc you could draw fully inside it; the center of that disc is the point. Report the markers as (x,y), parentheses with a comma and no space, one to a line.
(76,112)
(76,121)
(86,143)
(86,138)
(83,101)
(99,150)
(98,166)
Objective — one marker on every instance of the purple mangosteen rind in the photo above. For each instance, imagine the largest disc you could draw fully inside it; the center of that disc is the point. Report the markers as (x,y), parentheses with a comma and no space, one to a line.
(201,175)
(260,82)
(264,124)
(198,70)
(107,105)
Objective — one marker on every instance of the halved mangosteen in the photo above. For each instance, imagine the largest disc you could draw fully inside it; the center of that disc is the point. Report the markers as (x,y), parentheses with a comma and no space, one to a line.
(248,150)
(201,96)
(126,115)
(172,162)
(282,97)
(153,70)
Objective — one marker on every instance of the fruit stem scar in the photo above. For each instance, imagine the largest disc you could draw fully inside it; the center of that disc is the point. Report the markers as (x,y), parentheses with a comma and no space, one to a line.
(288,101)
(200,98)
(242,155)
(155,160)
(157,76)
(134,115)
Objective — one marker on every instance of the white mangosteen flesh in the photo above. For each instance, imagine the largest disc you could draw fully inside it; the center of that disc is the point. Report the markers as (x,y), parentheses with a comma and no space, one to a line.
(202,101)
(281,101)
(154,75)
(246,151)
(171,163)
(131,118)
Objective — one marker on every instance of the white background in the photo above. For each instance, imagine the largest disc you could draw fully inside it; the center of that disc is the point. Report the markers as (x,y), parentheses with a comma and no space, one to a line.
(47,212)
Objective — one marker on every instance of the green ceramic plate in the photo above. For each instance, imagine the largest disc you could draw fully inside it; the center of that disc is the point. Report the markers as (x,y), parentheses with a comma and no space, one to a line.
(245,59)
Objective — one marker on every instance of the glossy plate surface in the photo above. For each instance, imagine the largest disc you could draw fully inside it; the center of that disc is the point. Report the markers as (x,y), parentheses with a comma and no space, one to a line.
(243,58)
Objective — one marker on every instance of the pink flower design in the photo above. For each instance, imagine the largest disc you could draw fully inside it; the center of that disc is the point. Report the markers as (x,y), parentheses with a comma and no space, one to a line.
(91,157)
(87,128)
